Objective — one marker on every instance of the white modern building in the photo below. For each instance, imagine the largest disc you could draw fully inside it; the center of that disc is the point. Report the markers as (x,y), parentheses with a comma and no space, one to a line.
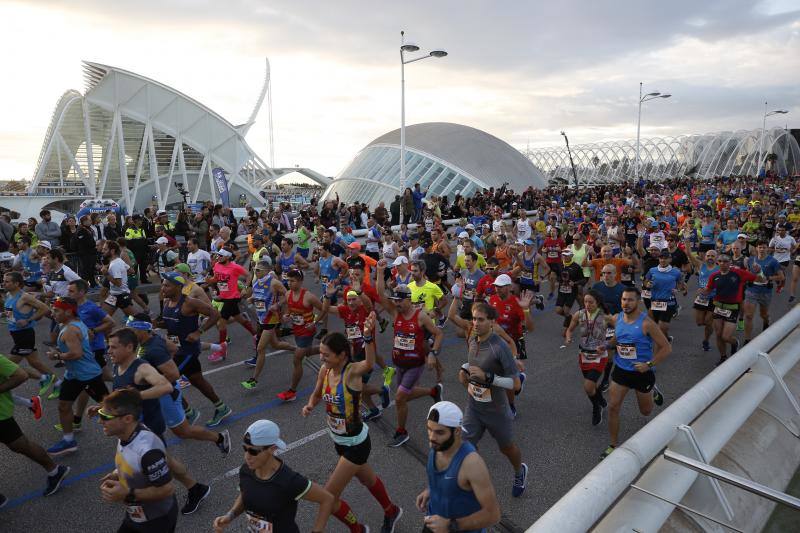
(448,158)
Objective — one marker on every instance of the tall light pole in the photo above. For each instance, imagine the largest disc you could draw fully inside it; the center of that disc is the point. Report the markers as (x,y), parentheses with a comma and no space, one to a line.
(764,134)
(642,99)
(407,48)
(571,162)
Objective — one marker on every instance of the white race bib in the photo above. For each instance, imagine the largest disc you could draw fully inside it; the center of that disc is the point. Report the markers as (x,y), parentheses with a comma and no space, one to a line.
(565,289)
(136,513)
(610,332)
(111,300)
(173,339)
(337,424)
(469,294)
(646,293)
(258,525)
(222,286)
(658,305)
(353,332)
(626,351)
(702,300)
(479,393)
(403,342)
(590,357)
(298,320)
(719,311)
(261,305)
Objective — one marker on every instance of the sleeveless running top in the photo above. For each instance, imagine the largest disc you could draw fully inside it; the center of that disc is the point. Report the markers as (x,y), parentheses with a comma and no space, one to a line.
(593,330)
(704,274)
(302,316)
(327,274)
(151,409)
(32,269)
(85,368)
(410,347)
(262,298)
(286,264)
(530,271)
(447,499)
(179,326)
(13,313)
(633,346)
(402,281)
(342,406)
(354,329)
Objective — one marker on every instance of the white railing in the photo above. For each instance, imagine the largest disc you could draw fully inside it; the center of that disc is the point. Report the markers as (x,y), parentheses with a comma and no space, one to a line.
(697,425)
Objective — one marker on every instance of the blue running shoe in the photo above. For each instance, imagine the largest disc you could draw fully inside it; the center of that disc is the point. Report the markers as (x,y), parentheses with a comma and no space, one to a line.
(385,396)
(63,446)
(251,361)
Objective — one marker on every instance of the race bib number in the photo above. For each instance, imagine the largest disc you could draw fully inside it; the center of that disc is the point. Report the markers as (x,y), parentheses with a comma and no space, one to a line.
(725,313)
(701,300)
(298,320)
(10,315)
(258,525)
(566,289)
(337,425)
(261,306)
(625,277)
(526,275)
(656,305)
(469,294)
(590,357)
(222,286)
(552,255)
(646,293)
(479,393)
(610,332)
(173,339)
(404,342)
(760,283)
(353,332)
(626,351)
(136,513)
(285,277)
(111,300)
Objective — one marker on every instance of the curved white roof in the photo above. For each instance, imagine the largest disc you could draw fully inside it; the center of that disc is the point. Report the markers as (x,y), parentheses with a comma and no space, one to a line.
(480,154)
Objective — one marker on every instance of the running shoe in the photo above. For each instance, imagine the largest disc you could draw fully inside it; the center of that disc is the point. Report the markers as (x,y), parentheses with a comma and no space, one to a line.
(735,346)
(721,360)
(604,385)
(194,497)
(550,296)
(216,357)
(382,323)
(539,302)
(607,451)
(63,446)
(399,439)
(522,377)
(220,413)
(740,325)
(322,333)
(371,414)
(597,414)
(54,481)
(437,392)
(519,482)
(791,298)
(55,393)
(287,395)
(3,501)
(44,383)
(77,427)
(441,322)
(658,398)
(706,346)
(513,410)
(250,384)
(388,375)
(36,407)
(390,520)
(192,415)
(385,396)
(225,445)
(251,361)
(184,383)
(670,338)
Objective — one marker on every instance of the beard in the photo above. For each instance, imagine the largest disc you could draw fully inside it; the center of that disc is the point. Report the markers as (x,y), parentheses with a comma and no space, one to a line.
(443,447)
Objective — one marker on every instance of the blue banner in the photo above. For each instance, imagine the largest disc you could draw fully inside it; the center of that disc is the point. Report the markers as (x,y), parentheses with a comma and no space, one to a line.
(222,185)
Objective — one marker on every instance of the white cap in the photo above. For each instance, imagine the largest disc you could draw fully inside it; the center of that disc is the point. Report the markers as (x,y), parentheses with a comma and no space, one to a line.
(741,236)
(463,235)
(333,229)
(223,252)
(502,280)
(400,260)
(162,240)
(45,244)
(264,433)
(469,226)
(446,413)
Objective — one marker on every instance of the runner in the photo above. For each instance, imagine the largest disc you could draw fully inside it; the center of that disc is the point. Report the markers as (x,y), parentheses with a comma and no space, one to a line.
(409,351)
(142,480)
(269,490)
(470,275)
(301,304)
(288,260)
(226,278)
(570,285)
(199,261)
(339,385)
(460,495)
(640,346)
(552,247)
(662,281)
(703,308)
(760,292)
(490,367)
(592,354)
(181,317)
(116,273)
(529,270)
(329,270)
(12,376)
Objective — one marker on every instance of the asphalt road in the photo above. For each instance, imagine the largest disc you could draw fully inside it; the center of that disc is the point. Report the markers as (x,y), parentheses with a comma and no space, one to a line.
(553,429)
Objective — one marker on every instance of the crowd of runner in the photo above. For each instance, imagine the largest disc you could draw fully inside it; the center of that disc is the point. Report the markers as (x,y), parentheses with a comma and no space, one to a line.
(611,260)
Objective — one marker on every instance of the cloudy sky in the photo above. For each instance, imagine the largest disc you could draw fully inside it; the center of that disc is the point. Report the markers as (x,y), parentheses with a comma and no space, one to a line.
(521,70)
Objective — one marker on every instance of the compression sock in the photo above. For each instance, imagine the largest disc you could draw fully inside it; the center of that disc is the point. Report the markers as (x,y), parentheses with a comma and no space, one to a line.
(22,402)
(223,334)
(378,492)
(346,516)
(215,347)
(249,327)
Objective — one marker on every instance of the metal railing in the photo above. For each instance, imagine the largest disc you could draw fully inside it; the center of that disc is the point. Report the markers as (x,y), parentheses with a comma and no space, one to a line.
(698,425)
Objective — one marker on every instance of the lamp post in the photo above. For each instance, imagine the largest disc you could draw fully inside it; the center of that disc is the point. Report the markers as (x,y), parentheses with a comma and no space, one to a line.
(571,162)
(408,48)
(642,99)
(764,134)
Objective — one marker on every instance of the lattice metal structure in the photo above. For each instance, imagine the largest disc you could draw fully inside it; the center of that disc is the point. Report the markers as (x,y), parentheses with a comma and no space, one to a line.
(742,152)
(133,139)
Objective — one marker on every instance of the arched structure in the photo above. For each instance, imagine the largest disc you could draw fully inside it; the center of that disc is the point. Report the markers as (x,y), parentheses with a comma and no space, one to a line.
(741,152)
(448,158)
(132,139)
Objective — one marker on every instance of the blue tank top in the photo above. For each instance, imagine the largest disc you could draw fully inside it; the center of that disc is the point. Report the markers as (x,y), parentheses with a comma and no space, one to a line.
(526,276)
(633,346)
(151,409)
(33,269)
(447,499)
(180,325)
(663,283)
(262,297)
(400,280)
(327,273)
(13,314)
(707,234)
(286,264)
(704,274)
(86,367)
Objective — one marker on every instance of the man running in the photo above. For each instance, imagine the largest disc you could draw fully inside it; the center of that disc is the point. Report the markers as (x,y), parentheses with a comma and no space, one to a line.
(759,293)
(703,308)
(640,345)
(116,272)
(662,281)
(460,495)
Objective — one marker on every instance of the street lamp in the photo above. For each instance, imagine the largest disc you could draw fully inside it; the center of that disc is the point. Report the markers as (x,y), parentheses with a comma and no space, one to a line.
(764,134)
(571,162)
(408,48)
(642,99)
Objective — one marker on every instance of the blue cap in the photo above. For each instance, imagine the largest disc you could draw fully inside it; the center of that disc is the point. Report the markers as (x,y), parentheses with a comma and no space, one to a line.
(654,224)
(138,324)
(529,242)
(174,277)
(264,433)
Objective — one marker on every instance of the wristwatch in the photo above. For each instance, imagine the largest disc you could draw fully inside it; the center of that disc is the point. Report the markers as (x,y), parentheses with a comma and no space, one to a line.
(650,364)
(130,498)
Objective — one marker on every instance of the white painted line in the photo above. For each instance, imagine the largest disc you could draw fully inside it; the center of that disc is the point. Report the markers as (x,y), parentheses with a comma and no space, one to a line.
(240,363)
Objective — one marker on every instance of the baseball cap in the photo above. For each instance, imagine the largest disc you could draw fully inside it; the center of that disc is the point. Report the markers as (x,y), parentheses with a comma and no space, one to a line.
(264,433)
(502,280)
(566,251)
(469,226)
(463,235)
(742,236)
(45,244)
(223,252)
(162,212)
(446,413)
(162,240)
(401,260)
(356,262)
(529,242)
(183,267)
(174,277)
(400,292)
(665,253)
(354,245)
(140,321)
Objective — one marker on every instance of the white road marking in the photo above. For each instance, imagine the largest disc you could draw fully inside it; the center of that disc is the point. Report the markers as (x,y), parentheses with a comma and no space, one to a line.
(240,363)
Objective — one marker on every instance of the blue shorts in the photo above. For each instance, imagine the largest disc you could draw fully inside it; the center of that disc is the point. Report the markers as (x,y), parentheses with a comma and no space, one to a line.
(172,409)
(304,342)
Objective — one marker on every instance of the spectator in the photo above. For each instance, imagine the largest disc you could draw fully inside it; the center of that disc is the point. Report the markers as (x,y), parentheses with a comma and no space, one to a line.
(47,230)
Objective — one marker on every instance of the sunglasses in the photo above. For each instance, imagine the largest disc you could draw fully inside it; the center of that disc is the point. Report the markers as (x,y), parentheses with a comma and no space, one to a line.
(490,269)
(108,416)
(252,451)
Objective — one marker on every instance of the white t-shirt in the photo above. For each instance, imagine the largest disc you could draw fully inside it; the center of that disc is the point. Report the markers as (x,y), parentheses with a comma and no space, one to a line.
(58,282)
(523,229)
(200,263)
(783,247)
(118,270)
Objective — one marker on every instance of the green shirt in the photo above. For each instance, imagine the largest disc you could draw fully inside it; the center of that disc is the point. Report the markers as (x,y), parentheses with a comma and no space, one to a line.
(7,368)
(302,238)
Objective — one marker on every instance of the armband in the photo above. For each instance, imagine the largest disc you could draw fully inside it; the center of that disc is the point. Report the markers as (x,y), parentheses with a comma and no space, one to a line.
(503,382)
